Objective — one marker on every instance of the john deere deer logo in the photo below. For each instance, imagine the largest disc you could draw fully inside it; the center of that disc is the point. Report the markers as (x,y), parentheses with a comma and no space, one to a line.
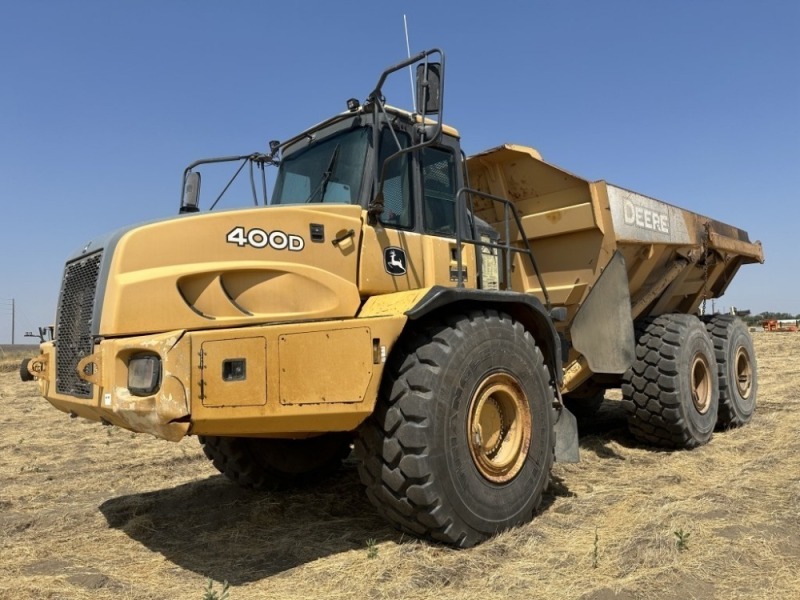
(394,261)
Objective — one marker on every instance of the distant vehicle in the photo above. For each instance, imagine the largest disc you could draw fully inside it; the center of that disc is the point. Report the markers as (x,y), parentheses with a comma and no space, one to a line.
(781,325)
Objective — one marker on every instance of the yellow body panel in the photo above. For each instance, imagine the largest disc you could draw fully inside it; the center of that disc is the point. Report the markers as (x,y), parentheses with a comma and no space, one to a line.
(292,394)
(373,277)
(430,261)
(312,363)
(387,305)
(251,389)
(189,273)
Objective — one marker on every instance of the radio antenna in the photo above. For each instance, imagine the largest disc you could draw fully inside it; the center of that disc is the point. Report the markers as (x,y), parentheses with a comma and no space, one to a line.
(410,72)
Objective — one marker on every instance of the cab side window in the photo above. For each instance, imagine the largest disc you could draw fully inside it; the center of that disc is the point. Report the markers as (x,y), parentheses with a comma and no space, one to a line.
(439,185)
(397,206)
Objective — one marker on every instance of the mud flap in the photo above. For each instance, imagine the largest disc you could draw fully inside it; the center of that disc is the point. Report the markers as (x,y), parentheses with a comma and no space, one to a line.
(602,331)
(566,431)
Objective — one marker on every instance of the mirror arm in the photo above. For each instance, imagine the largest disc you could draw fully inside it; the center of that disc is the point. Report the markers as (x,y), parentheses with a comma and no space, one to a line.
(263,168)
(409,61)
(375,208)
(255,157)
(253,182)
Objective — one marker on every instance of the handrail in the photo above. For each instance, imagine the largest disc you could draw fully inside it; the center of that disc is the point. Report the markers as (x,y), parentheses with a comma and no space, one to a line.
(506,246)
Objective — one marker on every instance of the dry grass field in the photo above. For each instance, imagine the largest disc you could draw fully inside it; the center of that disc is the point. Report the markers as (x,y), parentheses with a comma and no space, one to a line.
(88,511)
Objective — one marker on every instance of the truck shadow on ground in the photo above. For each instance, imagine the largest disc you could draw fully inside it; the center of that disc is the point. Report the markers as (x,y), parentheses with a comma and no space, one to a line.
(219,530)
(215,528)
(598,432)
(608,424)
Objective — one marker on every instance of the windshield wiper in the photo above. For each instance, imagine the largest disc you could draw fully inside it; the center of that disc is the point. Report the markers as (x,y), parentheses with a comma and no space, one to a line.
(326,176)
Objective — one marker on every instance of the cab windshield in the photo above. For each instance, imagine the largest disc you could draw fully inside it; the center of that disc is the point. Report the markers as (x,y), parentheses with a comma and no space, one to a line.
(330,170)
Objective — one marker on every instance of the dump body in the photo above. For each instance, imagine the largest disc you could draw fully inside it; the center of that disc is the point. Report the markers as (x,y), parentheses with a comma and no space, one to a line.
(665,259)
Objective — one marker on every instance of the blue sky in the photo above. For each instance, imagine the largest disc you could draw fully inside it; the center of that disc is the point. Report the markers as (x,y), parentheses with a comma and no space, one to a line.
(102,105)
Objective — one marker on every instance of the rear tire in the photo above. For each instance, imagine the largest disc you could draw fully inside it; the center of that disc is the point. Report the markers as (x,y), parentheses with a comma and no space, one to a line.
(738,370)
(671,392)
(276,463)
(460,444)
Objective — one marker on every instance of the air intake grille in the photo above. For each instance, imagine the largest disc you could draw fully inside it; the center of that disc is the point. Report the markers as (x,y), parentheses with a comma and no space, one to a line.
(73,339)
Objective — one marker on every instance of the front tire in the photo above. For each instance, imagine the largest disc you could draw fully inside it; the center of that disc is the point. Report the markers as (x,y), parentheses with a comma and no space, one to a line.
(276,463)
(460,444)
(671,392)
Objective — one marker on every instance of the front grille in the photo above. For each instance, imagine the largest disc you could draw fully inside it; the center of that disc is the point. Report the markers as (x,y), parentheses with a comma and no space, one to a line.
(73,339)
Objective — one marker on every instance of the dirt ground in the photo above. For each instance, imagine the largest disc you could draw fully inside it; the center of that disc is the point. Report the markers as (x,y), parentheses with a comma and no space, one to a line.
(88,511)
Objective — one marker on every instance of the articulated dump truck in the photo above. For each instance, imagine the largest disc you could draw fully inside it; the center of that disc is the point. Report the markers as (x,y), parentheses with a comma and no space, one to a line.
(436,315)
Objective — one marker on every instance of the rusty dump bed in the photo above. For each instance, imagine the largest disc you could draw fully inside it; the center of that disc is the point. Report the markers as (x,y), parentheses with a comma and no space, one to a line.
(654,257)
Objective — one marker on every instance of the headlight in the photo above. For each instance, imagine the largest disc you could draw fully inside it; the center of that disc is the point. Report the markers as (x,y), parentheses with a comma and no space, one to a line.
(144,374)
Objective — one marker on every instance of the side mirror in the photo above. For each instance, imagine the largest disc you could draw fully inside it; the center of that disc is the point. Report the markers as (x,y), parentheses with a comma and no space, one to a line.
(429,88)
(191,193)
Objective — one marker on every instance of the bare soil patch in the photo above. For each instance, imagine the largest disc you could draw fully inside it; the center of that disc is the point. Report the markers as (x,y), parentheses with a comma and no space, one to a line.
(88,511)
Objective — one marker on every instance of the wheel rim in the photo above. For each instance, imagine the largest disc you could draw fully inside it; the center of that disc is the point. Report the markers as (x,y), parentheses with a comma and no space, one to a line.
(744,372)
(499,427)
(701,384)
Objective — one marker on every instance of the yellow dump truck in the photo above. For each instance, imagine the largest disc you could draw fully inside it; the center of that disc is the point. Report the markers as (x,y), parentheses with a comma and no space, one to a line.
(433,312)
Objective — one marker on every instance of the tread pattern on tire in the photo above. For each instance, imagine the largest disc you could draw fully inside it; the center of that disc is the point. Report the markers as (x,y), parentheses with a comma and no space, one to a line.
(651,387)
(392,444)
(719,328)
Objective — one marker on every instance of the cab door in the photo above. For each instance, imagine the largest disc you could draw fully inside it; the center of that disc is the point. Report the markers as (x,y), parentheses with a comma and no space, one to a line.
(439,180)
(413,244)
(391,250)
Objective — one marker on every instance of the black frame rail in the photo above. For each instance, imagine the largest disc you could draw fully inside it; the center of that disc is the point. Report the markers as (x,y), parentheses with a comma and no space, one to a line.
(464,196)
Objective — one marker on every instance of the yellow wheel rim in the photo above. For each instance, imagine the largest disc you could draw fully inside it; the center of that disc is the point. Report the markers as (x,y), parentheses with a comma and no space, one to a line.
(701,384)
(744,372)
(499,427)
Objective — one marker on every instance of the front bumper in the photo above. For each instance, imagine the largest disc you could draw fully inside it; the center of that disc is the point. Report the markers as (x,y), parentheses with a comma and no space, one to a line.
(273,380)
(165,414)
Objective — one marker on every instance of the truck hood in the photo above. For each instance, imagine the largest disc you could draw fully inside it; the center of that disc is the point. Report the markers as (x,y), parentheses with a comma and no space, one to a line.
(222,269)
